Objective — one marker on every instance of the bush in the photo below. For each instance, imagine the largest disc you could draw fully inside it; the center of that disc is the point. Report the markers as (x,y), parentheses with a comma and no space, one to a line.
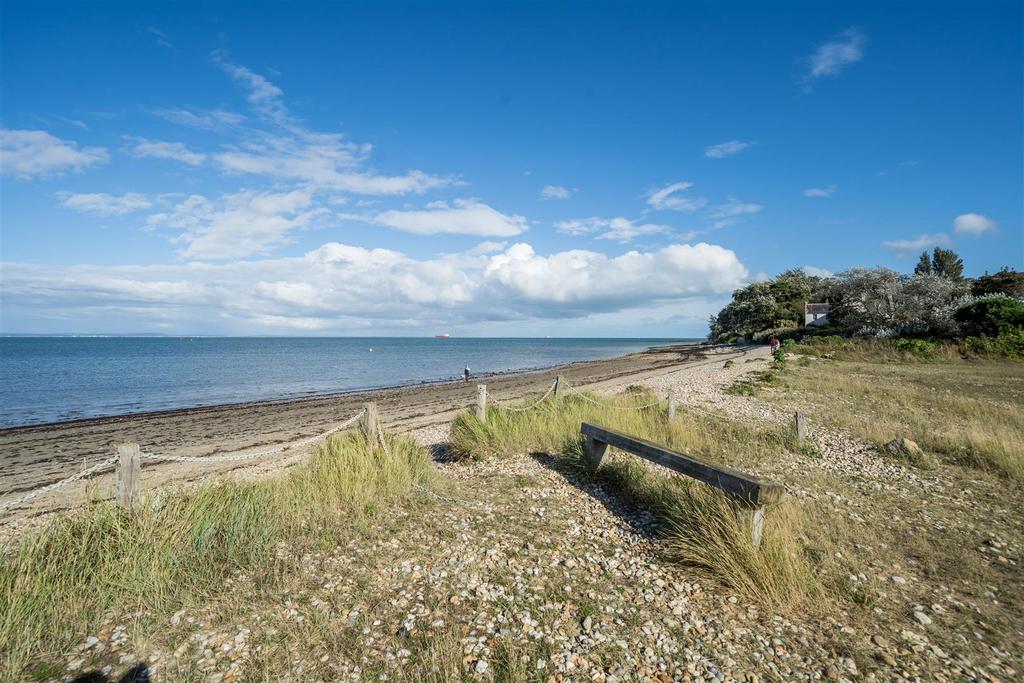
(991,316)
(917,347)
(1010,345)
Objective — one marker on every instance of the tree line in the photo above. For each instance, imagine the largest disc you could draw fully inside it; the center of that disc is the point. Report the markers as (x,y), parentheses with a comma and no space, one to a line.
(935,301)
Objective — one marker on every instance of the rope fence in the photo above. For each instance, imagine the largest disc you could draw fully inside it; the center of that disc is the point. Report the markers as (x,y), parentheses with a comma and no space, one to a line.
(557,388)
(522,409)
(87,472)
(128,456)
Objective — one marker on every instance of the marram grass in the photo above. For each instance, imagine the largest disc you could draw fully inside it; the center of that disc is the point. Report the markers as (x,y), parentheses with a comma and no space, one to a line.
(58,581)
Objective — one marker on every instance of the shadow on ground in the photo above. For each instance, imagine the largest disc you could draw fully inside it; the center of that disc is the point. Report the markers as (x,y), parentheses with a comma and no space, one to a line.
(441,452)
(137,674)
(636,517)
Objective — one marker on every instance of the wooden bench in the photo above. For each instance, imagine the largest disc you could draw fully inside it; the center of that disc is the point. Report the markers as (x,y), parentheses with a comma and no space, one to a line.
(752,492)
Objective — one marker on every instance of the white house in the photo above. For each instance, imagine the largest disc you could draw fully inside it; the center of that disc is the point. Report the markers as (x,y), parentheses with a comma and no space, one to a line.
(815,314)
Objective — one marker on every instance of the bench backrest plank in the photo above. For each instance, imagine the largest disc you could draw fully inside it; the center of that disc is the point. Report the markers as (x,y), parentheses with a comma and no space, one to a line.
(754,491)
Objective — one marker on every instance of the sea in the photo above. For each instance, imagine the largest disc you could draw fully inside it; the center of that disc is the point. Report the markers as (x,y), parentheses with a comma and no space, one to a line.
(54,379)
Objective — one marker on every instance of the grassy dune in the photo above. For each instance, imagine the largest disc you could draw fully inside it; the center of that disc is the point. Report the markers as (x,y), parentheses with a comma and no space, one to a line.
(58,581)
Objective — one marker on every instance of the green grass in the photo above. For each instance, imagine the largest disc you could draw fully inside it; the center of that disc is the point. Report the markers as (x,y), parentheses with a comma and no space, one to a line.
(58,581)
(703,528)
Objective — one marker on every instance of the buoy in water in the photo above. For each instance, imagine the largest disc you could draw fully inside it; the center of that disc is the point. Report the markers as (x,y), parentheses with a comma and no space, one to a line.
(371,349)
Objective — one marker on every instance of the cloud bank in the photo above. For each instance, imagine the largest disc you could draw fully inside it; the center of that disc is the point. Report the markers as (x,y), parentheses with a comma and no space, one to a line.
(345,287)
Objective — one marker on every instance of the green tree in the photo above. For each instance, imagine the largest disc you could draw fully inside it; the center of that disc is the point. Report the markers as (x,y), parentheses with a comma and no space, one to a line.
(946,263)
(1006,281)
(992,315)
(924,265)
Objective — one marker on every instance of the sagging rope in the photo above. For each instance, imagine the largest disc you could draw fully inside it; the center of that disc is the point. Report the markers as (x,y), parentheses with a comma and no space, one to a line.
(257,454)
(605,405)
(109,462)
(505,406)
(87,472)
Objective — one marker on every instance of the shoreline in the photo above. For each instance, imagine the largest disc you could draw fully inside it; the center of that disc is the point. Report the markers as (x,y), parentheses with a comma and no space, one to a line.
(38,455)
(314,396)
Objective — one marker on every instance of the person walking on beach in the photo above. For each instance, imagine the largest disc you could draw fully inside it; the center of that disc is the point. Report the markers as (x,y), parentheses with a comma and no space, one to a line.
(465,374)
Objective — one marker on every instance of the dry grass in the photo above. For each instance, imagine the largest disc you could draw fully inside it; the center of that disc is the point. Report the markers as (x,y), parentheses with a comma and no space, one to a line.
(58,581)
(967,412)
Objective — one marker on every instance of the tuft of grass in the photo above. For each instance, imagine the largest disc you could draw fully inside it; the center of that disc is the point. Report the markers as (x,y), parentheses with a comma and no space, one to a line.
(507,433)
(58,581)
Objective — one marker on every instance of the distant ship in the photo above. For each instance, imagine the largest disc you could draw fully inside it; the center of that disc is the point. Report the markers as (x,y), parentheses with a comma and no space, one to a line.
(442,336)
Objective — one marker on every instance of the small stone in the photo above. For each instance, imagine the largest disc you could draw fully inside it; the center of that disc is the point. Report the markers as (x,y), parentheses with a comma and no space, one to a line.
(481,666)
(922,618)
(899,580)
(880,641)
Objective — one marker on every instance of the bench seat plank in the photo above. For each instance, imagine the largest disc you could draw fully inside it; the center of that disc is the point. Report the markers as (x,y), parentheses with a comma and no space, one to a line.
(754,491)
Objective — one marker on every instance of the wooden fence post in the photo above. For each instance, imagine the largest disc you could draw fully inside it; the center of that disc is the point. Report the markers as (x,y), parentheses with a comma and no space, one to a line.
(481,402)
(370,425)
(129,475)
(559,381)
(799,427)
(671,405)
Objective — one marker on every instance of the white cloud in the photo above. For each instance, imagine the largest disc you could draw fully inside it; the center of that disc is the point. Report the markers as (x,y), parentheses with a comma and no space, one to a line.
(239,224)
(105,204)
(325,160)
(216,119)
(277,146)
(820,191)
(973,224)
(343,288)
(617,229)
(555,192)
(725,149)
(265,97)
(462,217)
(590,280)
(814,271)
(161,38)
(732,212)
(667,198)
(28,154)
(153,149)
(832,57)
(286,150)
(904,248)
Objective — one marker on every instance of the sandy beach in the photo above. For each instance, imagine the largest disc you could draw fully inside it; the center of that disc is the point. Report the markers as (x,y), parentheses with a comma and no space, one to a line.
(39,455)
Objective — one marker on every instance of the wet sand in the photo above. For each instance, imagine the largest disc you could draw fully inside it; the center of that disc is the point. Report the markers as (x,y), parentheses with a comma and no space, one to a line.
(38,455)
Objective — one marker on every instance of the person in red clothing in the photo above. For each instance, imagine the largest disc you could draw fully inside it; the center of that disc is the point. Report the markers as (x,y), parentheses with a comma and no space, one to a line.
(773,344)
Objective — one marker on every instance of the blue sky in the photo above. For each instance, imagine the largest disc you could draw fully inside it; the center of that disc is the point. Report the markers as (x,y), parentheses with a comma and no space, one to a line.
(489,169)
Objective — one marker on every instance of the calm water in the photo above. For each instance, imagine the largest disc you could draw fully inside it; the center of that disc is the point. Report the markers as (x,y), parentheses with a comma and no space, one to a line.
(46,379)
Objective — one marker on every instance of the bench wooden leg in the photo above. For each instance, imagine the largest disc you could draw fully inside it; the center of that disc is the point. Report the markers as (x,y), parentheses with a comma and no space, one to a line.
(757,525)
(594,451)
